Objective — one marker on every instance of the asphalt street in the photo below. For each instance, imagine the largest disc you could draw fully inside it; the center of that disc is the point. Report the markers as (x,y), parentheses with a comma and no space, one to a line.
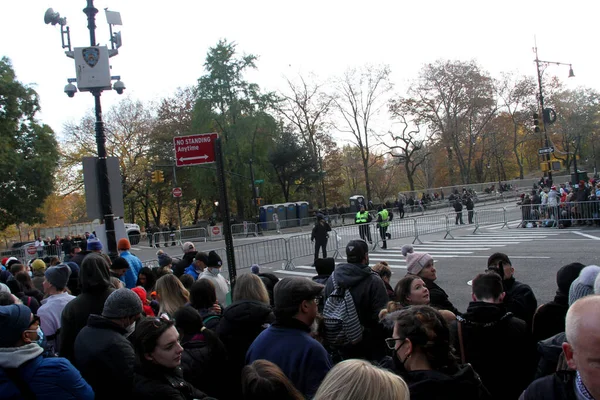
(536,253)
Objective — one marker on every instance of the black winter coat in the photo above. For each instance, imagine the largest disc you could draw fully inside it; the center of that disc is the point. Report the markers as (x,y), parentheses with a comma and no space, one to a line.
(95,288)
(438,297)
(549,319)
(186,261)
(160,383)
(499,347)
(320,231)
(203,362)
(560,386)
(549,352)
(435,385)
(242,322)
(370,297)
(520,300)
(105,358)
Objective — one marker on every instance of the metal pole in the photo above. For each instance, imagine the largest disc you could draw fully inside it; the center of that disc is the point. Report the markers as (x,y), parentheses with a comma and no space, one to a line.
(105,200)
(253,187)
(224,204)
(541,96)
(178,198)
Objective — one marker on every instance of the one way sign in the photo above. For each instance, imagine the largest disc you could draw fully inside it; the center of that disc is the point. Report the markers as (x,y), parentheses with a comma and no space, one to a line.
(546,150)
(194,149)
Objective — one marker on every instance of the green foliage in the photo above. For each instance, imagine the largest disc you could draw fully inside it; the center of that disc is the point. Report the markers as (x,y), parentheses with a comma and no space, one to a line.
(28,152)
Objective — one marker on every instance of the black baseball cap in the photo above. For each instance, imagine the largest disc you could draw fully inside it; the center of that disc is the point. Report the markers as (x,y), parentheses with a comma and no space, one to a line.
(356,250)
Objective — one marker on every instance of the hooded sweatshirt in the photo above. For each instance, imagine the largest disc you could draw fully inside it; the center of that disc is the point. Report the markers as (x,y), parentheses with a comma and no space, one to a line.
(370,297)
(47,378)
(95,288)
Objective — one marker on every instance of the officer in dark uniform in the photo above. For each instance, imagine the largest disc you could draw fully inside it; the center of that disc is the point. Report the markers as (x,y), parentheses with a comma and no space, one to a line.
(320,235)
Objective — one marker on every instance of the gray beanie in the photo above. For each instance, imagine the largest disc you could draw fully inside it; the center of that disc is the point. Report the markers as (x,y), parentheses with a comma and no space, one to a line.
(584,284)
(58,276)
(122,303)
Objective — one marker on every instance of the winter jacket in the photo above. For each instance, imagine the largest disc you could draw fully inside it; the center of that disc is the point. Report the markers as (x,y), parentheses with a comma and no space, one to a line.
(38,280)
(131,274)
(94,279)
(520,300)
(160,383)
(457,205)
(221,285)
(559,386)
(50,316)
(186,261)
(549,352)
(370,297)
(493,341)
(210,319)
(191,270)
(322,279)
(203,362)
(242,322)
(105,358)
(549,319)
(438,297)
(435,385)
(320,231)
(302,359)
(47,378)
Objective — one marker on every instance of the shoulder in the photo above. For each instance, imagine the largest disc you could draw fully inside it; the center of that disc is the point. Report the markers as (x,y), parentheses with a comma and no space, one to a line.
(556,386)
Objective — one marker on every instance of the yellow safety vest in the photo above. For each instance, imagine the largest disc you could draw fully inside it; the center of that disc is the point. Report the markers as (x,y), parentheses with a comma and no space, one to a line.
(384,218)
(362,218)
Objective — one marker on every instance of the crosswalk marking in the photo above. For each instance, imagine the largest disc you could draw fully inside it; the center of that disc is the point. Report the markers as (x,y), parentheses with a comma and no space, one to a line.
(458,247)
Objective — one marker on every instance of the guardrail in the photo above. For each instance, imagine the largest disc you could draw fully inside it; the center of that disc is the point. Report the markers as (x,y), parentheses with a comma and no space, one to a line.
(562,215)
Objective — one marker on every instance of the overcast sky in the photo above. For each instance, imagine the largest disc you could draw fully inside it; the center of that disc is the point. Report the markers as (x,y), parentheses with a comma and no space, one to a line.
(165,42)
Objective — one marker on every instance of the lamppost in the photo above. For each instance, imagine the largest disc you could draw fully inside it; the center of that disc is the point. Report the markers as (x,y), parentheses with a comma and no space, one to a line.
(93,75)
(548,115)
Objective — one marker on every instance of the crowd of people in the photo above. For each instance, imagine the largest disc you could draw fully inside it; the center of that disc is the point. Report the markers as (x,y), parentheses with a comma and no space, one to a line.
(98,328)
(562,206)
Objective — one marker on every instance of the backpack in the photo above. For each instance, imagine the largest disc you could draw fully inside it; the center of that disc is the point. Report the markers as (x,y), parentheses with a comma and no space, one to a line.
(340,319)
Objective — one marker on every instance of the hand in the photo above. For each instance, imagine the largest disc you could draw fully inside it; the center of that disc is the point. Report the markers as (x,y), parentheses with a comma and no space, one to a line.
(216,308)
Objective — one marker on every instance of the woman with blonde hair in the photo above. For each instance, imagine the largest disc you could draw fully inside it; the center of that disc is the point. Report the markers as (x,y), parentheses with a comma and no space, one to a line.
(248,315)
(359,380)
(171,294)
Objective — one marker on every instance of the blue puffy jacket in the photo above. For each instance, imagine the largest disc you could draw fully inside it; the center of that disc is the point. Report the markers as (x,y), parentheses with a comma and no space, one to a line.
(191,270)
(47,378)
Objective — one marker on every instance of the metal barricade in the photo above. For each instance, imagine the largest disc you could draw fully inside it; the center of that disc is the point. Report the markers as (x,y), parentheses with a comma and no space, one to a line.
(398,228)
(490,217)
(542,215)
(263,252)
(301,246)
(344,234)
(244,230)
(152,264)
(196,234)
(431,224)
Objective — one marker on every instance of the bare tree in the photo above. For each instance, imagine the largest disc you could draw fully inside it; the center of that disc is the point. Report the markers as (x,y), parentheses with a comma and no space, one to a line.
(359,97)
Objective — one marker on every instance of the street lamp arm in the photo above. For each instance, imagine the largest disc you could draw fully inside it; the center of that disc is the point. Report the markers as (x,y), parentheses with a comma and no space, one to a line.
(552,62)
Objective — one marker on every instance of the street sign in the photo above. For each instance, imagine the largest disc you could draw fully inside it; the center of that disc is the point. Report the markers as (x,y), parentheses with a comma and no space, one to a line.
(177,192)
(546,150)
(194,149)
(31,250)
(259,181)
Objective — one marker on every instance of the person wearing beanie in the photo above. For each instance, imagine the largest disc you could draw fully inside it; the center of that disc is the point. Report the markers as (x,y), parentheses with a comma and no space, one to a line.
(135,264)
(519,298)
(119,267)
(55,288)
(369,296)
(164,264)
(584,284)
(324,267)
(94,280)
(21,356)
(549,319)
(103,352)
(213,273)
(94,244)
(38,266)
(189,252)
(141,293)
(421,264)
(255,269)
(204,355)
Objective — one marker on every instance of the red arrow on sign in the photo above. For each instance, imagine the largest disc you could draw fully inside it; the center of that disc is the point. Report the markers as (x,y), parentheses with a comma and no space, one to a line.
(194,149)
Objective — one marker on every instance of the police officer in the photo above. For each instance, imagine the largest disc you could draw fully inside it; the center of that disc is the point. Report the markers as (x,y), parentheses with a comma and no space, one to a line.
(319,235)
(362,219)
(383,221)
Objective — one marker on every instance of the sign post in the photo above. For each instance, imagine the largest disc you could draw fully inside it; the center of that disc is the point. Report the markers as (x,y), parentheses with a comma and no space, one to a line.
(194,149)
(224,204)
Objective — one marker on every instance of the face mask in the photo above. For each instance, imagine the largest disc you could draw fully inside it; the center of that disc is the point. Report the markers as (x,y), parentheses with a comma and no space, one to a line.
(40,334)
(30,273)
(399,364)
(213,270)
(130,329)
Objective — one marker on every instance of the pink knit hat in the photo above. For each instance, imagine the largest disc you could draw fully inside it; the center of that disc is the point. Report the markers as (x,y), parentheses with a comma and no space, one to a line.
(415,262)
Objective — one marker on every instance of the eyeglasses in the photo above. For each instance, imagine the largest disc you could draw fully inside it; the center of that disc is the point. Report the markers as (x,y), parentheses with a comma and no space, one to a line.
(391,342)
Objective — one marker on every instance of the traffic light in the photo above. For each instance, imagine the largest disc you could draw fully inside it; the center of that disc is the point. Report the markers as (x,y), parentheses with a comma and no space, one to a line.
(158,176)
(536,122)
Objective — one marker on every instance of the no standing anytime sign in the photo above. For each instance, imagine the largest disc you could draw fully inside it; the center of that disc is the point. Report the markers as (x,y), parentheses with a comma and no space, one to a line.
(194,149)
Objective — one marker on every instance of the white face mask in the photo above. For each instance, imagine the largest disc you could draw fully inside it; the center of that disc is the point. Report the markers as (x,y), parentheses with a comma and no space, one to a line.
(130,329)
(213,270)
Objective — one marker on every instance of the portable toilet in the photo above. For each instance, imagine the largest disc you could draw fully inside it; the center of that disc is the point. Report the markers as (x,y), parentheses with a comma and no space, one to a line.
(355,202)
(281,213)
(291,215)
(268,222)
(262,216)
(302,212)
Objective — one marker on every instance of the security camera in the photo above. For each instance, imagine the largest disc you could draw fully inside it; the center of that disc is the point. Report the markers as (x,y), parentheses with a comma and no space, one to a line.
(70,89)
(119,87)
